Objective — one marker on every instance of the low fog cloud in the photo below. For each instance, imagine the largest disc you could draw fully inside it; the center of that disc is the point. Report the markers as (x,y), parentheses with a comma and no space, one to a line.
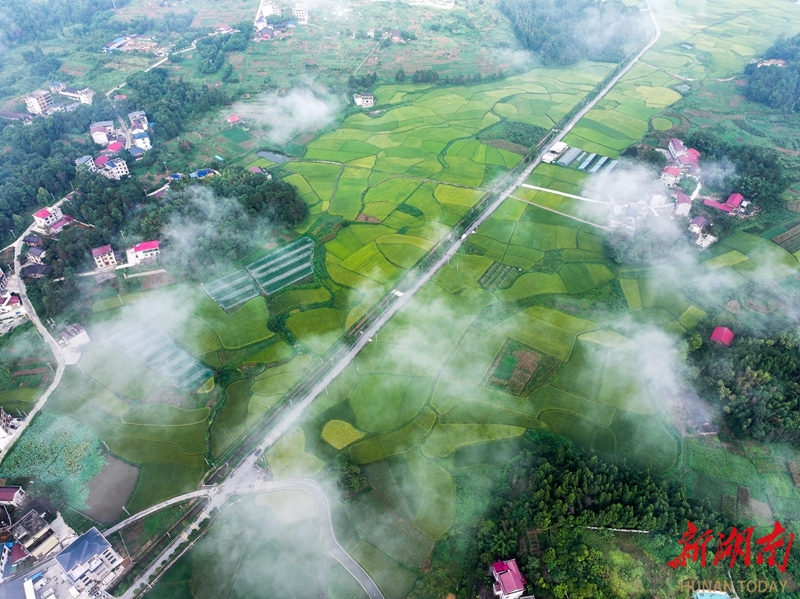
(301,109)
(518,59)
(629,182)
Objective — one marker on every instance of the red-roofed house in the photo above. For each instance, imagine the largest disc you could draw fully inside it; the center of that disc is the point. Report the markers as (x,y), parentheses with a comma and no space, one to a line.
(256,169)
(683,205)
(717,205)
(47,216)
(233,119)
(101,160)
(734,200)
(56,227)
(509,581)
(104,256)
(670,176)
(12,496)
(18,553)
(722,336)
(146,250)
(114,147)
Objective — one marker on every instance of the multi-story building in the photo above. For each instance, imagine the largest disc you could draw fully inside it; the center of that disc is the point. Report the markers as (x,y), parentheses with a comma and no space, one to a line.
(3,281)
(142,141)
(147,250)
(300,13)
(90,562)
(101,131)
(83,95)
(138,120)
(115,169)
(47,216)
(86,162)
(104,256)
(39,102)
(36,255)
(268,9)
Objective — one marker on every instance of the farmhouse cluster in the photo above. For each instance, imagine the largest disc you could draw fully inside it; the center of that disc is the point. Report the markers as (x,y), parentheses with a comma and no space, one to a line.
(41,103)
(270,23)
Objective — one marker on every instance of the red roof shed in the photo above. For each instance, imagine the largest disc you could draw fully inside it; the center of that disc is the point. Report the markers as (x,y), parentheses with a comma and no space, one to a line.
(735,199)
(114,147)
(722,336)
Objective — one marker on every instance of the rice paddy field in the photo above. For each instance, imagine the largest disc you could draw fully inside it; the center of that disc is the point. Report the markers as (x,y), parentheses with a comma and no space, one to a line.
(701,52)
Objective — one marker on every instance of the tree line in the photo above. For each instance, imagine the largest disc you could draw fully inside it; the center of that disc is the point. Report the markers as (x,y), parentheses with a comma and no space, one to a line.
(773,85)
(756,382)
(569,31)
(759,174)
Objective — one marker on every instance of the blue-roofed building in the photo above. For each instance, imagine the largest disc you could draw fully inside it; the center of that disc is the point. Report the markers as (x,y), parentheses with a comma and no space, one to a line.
(90,561)
(201,173)
(137,153)
(176,176)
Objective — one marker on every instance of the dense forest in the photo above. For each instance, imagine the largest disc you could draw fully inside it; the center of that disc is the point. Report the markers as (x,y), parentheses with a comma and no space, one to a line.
(759,174)
(557,493)
(774,85)
(757,383)
(569,31)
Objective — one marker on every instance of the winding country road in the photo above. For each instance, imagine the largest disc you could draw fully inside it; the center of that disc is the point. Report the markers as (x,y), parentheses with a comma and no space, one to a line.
(219,495)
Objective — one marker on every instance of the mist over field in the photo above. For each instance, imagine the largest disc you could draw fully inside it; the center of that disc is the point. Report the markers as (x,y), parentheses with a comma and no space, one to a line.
(300,110)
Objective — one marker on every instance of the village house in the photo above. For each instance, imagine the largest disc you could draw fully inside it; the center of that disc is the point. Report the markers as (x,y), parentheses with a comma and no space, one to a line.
(113,169)
(371,32)
(683,157)
(35,255)
(35,535)
(3,281)
(145,251)
(13,496)
(32,240)
(89,562)
(731,205)
(36,271)
(683,205)
(396,35)
(509,581)
(47,216)
(142,141)
(101,131)
(698,224)
(138,120)
(722,336)
(74,336)
(136,153)
(11,306)
(104,256)
(233,119)
(364,100)
(39,102)
(82,95)
(268,9)
(670,176)
(300,13)
(86,162)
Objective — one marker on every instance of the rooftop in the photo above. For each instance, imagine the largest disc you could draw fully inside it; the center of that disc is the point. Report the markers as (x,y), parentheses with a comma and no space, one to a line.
(722,335)
(83,549)
(672,170)
(508,576)
(145,245)
(8,493)
(43,213)
(103,249)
